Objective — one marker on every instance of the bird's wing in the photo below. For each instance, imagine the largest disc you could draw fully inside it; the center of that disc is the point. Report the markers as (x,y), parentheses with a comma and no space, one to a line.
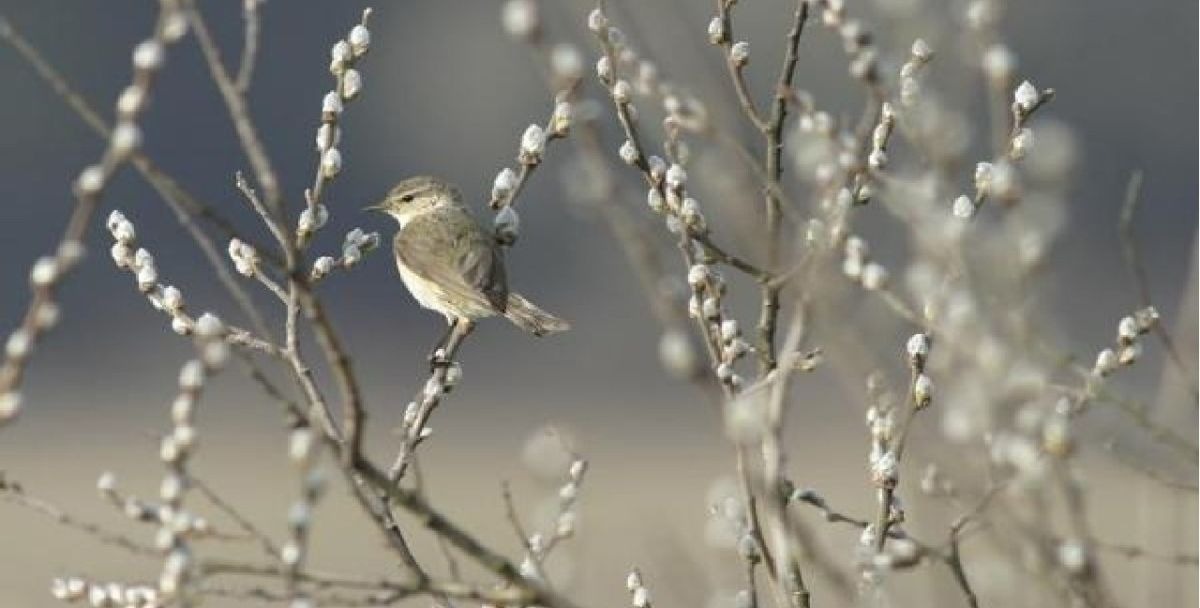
(456,256)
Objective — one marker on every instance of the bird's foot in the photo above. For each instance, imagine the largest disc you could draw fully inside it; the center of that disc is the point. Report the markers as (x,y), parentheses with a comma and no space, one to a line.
(438,359)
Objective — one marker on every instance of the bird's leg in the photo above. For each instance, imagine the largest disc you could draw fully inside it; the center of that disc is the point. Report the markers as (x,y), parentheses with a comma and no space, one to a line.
(438,355)
(443,356)
(461,329)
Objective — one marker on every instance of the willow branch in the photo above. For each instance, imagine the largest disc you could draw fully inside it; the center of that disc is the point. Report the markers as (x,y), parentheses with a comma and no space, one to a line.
(1133,262)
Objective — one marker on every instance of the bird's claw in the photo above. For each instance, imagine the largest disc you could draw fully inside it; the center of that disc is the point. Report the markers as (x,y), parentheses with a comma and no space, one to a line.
(438,359)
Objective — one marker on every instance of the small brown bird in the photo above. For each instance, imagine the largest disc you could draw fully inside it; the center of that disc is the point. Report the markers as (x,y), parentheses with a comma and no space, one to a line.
(452,265)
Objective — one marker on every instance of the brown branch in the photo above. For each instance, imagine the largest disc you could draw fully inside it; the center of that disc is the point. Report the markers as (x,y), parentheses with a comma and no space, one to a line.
(796,594)
(1154,474)
(532,592)
(950,556)
(1133,262)
(353,408)
(774,171)
(175,195)
(239,112)
(269,547)
(736,73)
(418,478)
(89,188)
(526,170)
(376,506)
(399,590)
(12,492)
(883,517)
(1139,413)
(250,37)
(1134,552)
(430,396)
(329,120)
(514,520)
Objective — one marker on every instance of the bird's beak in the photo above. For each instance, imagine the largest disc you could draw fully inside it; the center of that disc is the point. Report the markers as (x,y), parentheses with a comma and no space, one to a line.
(375,207)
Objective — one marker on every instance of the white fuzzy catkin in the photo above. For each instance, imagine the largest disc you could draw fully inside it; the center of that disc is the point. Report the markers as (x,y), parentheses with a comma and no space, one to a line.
(360,40)
(716,30)
(504,184)
(520,18)
(352,84)
(740,53)
(533,143)
(1026,96)
(628,153)
(331,163)
(597,21)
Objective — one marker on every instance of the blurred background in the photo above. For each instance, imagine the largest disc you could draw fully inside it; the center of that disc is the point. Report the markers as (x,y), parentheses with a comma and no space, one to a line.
(448,93)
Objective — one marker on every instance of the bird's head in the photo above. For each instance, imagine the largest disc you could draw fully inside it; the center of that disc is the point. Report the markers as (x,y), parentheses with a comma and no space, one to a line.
(415,196)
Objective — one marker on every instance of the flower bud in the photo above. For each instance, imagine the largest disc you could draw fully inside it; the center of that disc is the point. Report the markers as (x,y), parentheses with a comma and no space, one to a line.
(520,19)
(1026,96)
(629,153)
(676,176)
(126,137)
(604,69)
(351,84)
(44,271)
(622,92)
(739,54)
(504,184)
(964,207)
(566,62)
(360,40)
(716,30)
(91,180)
(922,390)
(560,121)
(331,163)
(654,199)
(597,21)
(533,145)
(506,225)
(148,55)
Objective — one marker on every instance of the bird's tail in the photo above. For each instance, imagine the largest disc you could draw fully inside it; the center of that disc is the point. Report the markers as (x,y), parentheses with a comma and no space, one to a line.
(527,316)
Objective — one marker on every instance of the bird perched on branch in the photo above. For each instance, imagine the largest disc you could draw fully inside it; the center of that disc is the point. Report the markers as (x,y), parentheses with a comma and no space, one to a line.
(453,265)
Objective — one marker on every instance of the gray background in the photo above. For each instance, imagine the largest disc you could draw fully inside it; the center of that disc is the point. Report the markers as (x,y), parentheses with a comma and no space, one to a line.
(446,92)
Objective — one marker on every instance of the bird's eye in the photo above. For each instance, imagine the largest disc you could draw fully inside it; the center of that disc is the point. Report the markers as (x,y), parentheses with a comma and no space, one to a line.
(407,198)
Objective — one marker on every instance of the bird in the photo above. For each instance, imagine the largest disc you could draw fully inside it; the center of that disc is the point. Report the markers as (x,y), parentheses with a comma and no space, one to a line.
(453,265)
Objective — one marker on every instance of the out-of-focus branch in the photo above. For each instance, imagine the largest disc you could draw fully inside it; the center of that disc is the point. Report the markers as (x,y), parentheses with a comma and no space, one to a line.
(397,590)
(532,592)
(239,112)
(182,202)
(12,492)
(736,58)
(1133,262)
(264,540)
(42,312)
(1148,471)
(250,36)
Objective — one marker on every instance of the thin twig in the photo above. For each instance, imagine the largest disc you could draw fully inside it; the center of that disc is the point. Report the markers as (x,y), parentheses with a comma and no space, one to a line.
(12,492)
(89,188)
(532,592)
(768,316)
(1137,270)
(429,398)
(269,547)
(418,478)
(245,72)
(1150,472)
(238,111)
(514,520)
